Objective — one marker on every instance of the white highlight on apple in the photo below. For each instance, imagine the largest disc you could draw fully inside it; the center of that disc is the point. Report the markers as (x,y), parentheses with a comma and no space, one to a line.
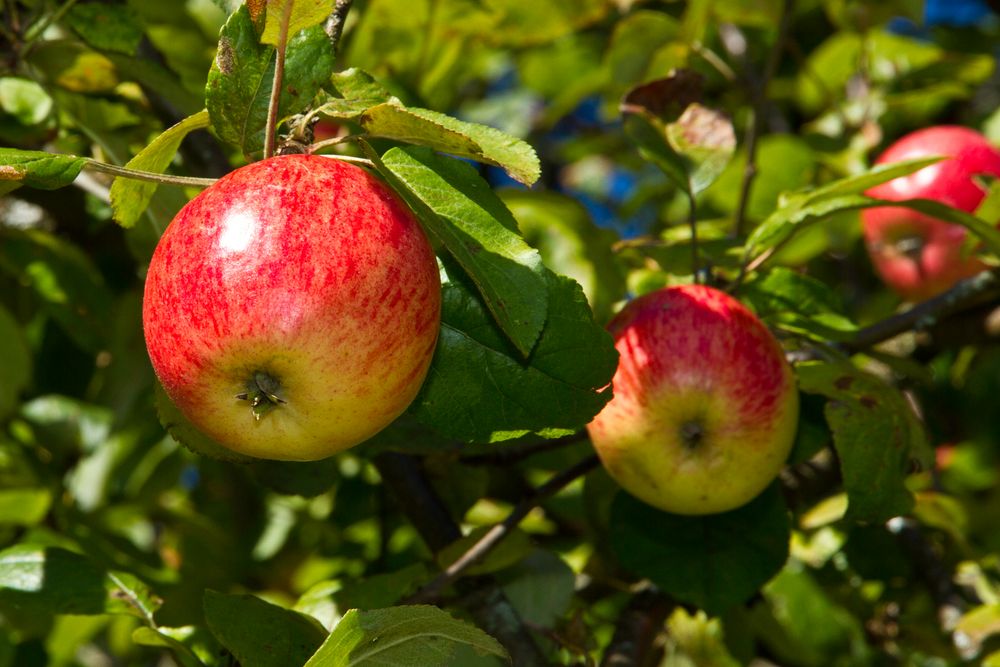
(238,230)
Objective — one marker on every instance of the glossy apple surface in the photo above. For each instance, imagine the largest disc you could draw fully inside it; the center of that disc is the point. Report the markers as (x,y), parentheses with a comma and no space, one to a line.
(705,405)
(916,255)
(292,308)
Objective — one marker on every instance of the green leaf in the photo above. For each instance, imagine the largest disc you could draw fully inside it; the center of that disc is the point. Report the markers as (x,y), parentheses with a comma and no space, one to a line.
(47,580)
(859,183)
(130,197)
(649,139)
(25,100)
(239,83)
(976,626)
(479,389)
(449,135)
(526,23)
(514,547)
(635,43)
(107,27)
(15,362)
(691,143)
(784,162)
(381,590)
(540,588)
(381,114)
(260,634)
(699,638)
(413,635)
(67,284)
(460,210)
(799,303)
(810,626)
(876,435)
(160,638)
(68,424)
(810,205)
(38,169)
(713,561)
(705,141)
(24,506)
(570,244)
(796,215)
(304,14)
(358,90)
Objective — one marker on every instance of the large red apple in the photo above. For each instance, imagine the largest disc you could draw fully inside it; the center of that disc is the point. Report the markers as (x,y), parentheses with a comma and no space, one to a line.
(917,255)
(705,405)
(292,308)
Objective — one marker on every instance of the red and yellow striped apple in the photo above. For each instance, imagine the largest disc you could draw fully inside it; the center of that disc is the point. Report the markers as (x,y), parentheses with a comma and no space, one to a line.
(292,308)
(705,406)
(916,255)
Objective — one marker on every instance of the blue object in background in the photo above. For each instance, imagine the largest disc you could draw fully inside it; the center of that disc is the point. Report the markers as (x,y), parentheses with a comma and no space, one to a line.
(958,13)
(950,13)
(190,477)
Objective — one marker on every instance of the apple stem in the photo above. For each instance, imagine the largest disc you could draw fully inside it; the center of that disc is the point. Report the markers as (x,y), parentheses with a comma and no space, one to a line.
(692,434)
(262,393)
(279,70)
(693,224)
(149,176)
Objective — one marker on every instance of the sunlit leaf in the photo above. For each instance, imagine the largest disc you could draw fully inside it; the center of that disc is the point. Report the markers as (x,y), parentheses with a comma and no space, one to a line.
(460,210)
(260,634)
(130,197)
(413,635)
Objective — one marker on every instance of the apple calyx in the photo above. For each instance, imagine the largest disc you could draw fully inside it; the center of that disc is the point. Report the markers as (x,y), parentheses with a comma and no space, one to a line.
(262,393)
(692,434)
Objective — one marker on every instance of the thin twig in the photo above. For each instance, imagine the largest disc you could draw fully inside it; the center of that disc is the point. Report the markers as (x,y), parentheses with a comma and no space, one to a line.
(34,32)
(693,224)
(279,70)
(506,456)
(334,26)
(638,626)
(756,125)
(482,596)
(349,158)
(15,19)
(972,290)
(497,533)
(151,176)
(320,145)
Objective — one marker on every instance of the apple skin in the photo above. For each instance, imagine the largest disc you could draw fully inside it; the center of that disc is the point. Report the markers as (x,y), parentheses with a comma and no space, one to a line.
(916,255)
(705,406)
(311,272)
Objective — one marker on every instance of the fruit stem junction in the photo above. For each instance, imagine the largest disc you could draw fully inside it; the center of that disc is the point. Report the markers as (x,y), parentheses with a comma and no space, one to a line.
(262,393)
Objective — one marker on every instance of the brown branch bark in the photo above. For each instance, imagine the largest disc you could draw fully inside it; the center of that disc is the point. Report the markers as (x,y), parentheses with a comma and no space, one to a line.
(481,596)
(477,552)
(966,293)
(334,25)
(637,629)
(511,454)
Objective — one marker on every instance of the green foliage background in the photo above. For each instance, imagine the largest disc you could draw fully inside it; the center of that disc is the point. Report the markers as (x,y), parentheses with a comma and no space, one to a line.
(877,546)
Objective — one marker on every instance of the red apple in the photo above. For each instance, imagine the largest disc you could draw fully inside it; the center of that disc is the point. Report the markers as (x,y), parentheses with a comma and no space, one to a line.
(917,255)
(291,309)
(705,405)
(324,130)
